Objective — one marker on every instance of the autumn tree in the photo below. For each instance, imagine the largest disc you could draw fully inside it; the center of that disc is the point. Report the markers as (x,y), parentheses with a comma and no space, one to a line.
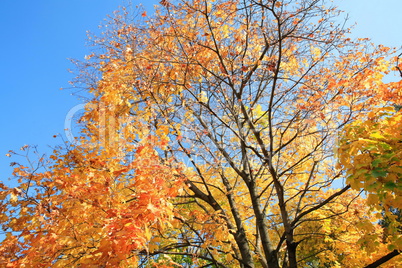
(370,153)
(209,141)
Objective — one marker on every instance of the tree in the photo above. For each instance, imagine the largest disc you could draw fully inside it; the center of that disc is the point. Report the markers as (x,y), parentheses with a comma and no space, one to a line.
(370,152)
(209,141)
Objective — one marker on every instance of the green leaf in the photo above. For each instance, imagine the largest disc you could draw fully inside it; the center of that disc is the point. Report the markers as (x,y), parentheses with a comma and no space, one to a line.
(372,186)
(390,185)
(376,162)
(378,172)
(389,156)
(391,247)
(385,146)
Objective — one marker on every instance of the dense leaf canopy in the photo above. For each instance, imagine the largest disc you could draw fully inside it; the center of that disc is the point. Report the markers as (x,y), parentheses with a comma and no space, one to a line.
(211,139)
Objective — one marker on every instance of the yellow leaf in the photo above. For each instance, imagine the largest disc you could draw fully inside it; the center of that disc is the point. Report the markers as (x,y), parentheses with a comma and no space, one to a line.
(13,197)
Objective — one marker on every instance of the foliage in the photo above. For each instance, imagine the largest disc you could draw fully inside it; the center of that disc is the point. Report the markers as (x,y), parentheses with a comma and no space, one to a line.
(371,153)
(209,142)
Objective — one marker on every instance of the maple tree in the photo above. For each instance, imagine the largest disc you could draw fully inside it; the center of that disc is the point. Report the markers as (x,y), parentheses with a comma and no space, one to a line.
(370,152)
(210,141)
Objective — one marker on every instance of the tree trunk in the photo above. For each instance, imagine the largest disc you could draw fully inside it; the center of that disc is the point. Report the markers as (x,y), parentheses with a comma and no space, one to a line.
(291,250)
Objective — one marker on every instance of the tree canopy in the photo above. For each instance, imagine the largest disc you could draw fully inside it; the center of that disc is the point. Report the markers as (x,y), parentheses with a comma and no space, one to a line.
(219,133)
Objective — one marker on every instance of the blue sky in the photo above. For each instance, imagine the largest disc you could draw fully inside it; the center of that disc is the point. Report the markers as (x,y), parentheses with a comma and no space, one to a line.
(38,37)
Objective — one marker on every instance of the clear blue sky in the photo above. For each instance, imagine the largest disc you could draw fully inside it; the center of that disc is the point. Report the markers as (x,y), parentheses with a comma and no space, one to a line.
(38,37)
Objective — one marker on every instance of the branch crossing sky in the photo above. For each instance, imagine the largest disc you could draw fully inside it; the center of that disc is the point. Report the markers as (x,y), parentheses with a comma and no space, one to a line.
(38,38)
